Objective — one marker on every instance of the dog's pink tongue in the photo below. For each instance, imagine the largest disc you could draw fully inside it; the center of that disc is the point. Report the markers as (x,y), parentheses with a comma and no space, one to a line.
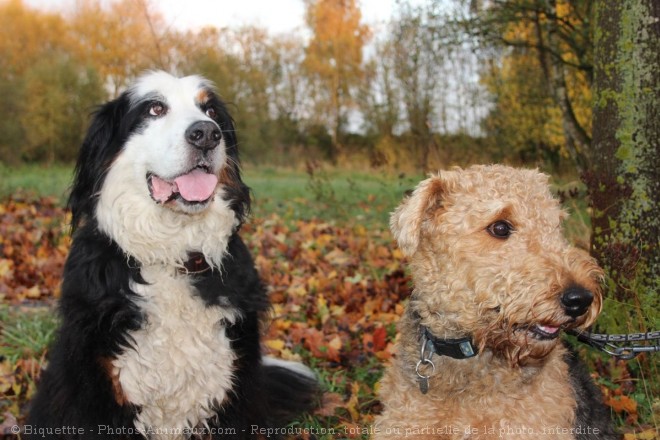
(549,329)
(197,185)
(161,190)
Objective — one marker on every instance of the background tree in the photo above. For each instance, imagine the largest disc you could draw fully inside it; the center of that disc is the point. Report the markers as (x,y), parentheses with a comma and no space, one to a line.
(121,38)
(417,64)
(523,123)
(557,33)
(203,52)
(624,180)
(380,104)
(25,37)
(424,90)
(333,60)
(48,91)
(288,92)
(62,95)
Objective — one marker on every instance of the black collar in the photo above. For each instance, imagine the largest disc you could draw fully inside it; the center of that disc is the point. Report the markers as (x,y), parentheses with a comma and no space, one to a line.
(195,264)
(455,348)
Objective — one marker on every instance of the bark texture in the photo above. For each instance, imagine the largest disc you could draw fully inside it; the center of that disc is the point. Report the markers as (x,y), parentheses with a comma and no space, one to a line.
(624,181)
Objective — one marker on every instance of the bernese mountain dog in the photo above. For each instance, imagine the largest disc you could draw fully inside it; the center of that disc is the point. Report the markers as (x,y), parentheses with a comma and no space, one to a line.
(161,305)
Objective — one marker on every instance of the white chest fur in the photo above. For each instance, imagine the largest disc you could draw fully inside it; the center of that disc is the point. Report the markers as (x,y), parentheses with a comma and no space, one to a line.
(181,363)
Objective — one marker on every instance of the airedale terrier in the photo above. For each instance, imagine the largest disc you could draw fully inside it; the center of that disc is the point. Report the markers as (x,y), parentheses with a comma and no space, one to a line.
(495,283)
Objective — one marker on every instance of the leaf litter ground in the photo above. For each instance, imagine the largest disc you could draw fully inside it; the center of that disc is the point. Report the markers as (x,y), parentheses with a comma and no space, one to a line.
(337,292)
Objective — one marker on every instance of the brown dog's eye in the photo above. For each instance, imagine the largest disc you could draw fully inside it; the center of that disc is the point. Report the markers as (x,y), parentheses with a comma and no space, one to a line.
(211,113)
(157,109)
(500,229)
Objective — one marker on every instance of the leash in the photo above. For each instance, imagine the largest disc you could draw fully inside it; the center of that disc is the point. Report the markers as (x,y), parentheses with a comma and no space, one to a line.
(621,346)
(633,345)
(610,344)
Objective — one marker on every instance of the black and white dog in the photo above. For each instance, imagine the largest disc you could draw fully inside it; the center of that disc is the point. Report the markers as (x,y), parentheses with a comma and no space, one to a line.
(161,303)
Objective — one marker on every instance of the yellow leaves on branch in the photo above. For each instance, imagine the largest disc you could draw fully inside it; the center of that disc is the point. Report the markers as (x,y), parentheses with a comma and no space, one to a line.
(118,38)
(526,111)
(25,35)
(338,36)
(124,34)
(334,55)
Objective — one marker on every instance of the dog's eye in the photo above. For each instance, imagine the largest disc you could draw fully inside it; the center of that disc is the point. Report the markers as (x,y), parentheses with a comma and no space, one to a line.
(211,113)
(500,229)
(157,109)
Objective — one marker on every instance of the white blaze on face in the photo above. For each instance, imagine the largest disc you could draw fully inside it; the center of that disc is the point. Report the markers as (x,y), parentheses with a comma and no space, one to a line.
(160,147)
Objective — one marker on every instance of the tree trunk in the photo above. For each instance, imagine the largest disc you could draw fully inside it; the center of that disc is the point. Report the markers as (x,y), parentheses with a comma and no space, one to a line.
(336,103)
(624,180)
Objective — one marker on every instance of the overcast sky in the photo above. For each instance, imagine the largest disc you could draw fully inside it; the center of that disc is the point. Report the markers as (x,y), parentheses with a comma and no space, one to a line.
(276,15)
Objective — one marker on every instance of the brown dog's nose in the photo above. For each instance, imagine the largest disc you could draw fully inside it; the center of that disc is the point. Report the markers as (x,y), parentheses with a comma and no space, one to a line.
(576,301)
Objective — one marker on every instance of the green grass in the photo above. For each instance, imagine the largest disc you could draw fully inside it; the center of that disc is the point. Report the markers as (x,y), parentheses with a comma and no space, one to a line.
(364,197)
(52,181)
(336,195)
(26,332)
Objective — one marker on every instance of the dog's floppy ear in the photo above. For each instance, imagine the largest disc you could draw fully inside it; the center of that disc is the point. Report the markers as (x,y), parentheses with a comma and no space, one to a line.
(101,145)
(237,192)
(406,221)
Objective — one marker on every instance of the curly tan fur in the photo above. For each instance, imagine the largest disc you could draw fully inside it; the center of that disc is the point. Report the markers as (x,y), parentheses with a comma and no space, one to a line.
(469,283)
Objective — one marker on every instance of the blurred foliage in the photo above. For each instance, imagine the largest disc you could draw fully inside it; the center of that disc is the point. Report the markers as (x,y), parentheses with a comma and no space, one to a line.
(333,61)
(539,75)
(420,97)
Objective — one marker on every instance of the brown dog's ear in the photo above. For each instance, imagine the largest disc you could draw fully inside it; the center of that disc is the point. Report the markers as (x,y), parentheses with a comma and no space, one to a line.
(406,220)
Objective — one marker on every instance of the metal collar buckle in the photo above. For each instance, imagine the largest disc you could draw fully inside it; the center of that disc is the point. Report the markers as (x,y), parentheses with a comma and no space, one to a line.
(454,348)
(426,354)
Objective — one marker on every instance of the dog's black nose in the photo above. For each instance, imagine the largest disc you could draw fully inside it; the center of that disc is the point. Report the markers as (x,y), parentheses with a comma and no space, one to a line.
(204,135)
(576,301)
